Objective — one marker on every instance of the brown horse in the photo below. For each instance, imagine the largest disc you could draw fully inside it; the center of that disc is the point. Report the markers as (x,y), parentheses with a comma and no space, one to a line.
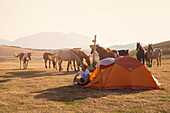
(154,54)
(141,53)
(48,57)
(82,56)
(67,55)
(119,52)
(103,53)
(114,51)
(25,57)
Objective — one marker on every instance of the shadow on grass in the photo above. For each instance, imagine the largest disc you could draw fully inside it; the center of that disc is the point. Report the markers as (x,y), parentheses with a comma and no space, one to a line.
(1,81)
(33,74)
(73,92)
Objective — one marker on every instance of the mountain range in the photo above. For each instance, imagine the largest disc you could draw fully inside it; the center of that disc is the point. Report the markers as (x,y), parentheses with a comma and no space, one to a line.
(131,46)
(50,40)
(57,40)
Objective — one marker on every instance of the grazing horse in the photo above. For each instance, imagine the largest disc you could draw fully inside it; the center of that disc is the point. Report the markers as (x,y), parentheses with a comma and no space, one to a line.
(67,55)
(47,57)
(123,52)
(25,57)
(119,52)
(103,53)
(154,54)
(141,53)
(82,56)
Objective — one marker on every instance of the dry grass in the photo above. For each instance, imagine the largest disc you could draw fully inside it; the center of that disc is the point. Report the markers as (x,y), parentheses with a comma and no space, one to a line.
(47,90)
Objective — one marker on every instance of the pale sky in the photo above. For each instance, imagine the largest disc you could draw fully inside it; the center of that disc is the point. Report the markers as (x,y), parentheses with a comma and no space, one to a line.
(113,21)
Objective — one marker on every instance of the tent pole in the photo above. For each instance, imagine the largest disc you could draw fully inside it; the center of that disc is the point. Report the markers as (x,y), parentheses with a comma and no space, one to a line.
(107,77)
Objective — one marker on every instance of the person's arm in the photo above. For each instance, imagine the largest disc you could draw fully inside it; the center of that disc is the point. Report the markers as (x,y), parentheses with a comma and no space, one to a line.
(87,78)
(74,80)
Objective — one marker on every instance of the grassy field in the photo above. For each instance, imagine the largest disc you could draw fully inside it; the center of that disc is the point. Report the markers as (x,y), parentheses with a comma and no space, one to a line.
(47,90)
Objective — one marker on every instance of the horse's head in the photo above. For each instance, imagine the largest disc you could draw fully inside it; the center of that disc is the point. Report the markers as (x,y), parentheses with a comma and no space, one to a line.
(150,47)
(137,46)
(29,55)
(93,47)
(88,60)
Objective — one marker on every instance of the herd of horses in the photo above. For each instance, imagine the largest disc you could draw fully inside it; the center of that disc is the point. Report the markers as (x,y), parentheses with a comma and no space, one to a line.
(76,56)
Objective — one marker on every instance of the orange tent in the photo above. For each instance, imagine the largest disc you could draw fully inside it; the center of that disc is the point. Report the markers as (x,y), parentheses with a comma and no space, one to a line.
(126,73)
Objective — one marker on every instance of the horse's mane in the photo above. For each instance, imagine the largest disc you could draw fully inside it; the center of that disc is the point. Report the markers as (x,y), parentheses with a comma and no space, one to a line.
(103,49)
(141,47)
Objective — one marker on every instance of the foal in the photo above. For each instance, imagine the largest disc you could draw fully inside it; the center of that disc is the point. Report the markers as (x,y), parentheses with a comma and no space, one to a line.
(25,57)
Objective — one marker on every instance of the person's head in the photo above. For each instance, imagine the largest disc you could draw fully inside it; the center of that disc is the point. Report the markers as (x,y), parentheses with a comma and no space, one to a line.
(84,67)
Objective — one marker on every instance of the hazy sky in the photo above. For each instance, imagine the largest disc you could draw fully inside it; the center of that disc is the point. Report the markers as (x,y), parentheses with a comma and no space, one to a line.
(113,21)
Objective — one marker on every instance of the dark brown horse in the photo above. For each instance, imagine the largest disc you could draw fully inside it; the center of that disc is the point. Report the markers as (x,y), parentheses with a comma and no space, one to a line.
(25,57)
(123,52)
(48,57)
(103,53)
(141,54)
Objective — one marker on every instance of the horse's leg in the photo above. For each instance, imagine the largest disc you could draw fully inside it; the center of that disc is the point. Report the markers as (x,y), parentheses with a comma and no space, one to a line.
(74,65)
(143,60)
(45,63)
(56,64)
(78,66)
(59,63)
(26,64)
(20,64)
(151,62)
(68,66)
(160,60)
(157,62)
(71,66)
(49,63)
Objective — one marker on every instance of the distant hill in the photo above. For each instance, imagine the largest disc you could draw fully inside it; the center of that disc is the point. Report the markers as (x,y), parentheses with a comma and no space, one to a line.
(127,46)
(4,42)
(51,40)
(165,46)
(7,52)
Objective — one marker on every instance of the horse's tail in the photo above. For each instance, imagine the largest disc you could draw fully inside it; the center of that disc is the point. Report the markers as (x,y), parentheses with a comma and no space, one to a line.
(16,55)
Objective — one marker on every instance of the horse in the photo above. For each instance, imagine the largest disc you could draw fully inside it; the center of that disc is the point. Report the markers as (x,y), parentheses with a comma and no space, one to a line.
(119,52)
(114,51)
(103,53)
(123,52)
(141,53)
(25,57)
(67,55)
(154,54)
(47,57)
(82,56)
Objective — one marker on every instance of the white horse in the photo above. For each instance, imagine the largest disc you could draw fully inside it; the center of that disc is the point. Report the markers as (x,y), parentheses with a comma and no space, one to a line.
(25,57)
(154,54)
